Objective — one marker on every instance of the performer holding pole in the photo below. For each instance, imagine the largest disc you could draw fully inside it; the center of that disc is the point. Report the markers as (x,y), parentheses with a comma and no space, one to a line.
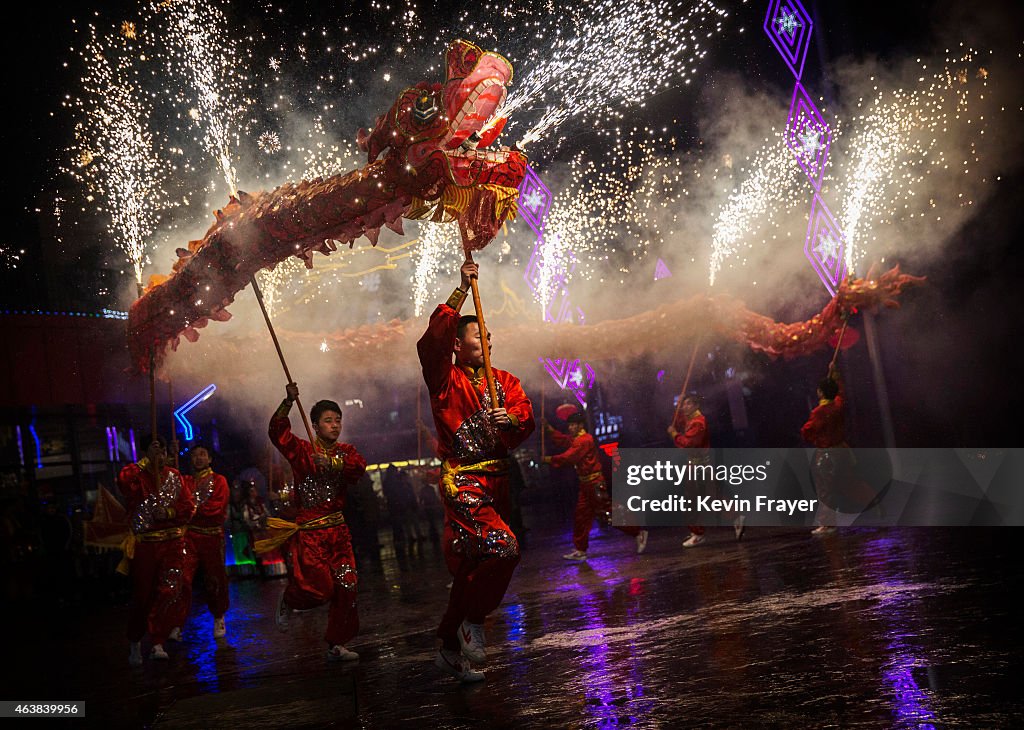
(280,353)
(204,541)
(580,451)
(686,384)
(160,504)
(826,431)
(323,566)
(480,416)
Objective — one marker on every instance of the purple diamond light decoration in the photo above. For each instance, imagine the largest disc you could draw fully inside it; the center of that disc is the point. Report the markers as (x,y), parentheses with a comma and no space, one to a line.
(575,376)
(534,201)
(825,246)
(789,27)
(808,135)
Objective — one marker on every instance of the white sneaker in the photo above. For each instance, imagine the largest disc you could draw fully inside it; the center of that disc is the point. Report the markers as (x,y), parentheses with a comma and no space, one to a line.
(175,634)
(219,629)
(158,652)
(641,542)
(693,541)
(822,530)
(283,613)
(457,666)
(471,639)
(338,653)
(739,525)
(575,555)
(135,654)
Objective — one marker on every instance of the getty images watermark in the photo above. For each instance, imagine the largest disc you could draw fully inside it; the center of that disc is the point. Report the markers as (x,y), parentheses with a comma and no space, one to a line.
(794,487)
(715,477)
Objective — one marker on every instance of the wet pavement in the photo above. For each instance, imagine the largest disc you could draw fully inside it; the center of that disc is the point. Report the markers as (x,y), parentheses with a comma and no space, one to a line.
(908,628)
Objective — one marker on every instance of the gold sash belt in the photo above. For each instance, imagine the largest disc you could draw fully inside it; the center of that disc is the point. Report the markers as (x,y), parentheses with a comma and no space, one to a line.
(282,530)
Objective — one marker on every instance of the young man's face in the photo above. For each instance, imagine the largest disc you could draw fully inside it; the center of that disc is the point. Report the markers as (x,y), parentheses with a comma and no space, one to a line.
(200,458)
(688,408)
(328,426)
(468,348)
(575,429)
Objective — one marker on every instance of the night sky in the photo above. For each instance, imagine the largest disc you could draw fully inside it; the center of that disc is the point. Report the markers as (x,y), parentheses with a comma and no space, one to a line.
(971,304)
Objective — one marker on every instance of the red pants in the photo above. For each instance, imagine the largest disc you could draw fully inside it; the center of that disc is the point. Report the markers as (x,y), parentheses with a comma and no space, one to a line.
(480,549)
(593,501)
(208,551)
(324,570)
(156,572)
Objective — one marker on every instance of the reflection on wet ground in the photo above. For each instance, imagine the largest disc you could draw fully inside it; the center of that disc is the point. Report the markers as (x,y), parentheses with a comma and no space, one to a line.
(909,628)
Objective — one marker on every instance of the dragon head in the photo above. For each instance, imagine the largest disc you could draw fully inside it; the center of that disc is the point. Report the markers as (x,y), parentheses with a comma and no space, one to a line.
(440,134)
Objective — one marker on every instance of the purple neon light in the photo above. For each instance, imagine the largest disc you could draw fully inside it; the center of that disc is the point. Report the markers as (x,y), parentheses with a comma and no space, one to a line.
(573,375)
(825,245)
(808,135)
(131,440)
(792,43)
(21,447)
(534,201)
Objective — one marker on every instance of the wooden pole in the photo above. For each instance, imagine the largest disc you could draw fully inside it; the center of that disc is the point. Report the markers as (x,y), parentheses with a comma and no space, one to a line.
(152,409)
(174,432)
(152,393)
(484,339)
(839,343)
(686,382)
(543,417)
(280,354)
(419,441)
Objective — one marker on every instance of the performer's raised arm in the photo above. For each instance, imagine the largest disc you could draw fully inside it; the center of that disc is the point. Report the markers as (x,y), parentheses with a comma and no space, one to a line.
(436,345)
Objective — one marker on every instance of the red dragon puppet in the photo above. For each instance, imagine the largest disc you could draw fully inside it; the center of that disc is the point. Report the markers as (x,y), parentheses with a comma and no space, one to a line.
(429,157)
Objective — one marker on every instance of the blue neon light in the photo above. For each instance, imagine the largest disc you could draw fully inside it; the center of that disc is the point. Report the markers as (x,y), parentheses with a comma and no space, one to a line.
(39,450)
(179,413)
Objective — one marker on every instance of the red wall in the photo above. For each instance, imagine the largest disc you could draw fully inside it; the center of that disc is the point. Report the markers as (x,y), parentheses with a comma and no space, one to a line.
(55,360)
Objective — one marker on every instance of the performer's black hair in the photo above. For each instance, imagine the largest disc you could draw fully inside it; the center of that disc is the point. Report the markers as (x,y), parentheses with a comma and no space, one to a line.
(202,445)
(465,320)
(155,437)
(580,418)
(697,400)
(829,388)
(320,407)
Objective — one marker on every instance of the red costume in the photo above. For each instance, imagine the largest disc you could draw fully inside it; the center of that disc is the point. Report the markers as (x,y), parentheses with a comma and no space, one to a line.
(158,548)
(593,500)
(824,428)
(695,436)
(323,567)
(480,548)
(205,543)
(826,431)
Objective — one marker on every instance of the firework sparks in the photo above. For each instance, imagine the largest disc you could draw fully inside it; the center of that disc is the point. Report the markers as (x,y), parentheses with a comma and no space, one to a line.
(879,157)
(437,242)
(608,61)
(894,147)
(114,154)
(269,142)
(201,50)
(10,257)
(759,199)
